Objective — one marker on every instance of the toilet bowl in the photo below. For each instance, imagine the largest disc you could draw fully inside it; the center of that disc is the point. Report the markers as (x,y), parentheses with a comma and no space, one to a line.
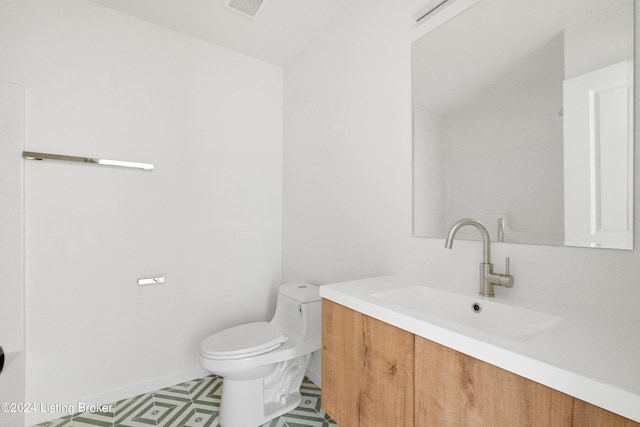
(263,363)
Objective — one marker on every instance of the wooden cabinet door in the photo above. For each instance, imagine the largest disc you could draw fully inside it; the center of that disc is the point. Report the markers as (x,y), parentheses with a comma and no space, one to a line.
(342,362)
(377,375)
(453,389)
(587,415)
(367,370)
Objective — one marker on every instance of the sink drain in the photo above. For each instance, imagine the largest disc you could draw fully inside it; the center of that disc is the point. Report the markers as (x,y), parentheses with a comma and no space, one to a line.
(476,307)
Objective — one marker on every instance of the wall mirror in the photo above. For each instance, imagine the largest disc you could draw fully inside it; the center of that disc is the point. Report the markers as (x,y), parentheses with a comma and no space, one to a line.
(523,119)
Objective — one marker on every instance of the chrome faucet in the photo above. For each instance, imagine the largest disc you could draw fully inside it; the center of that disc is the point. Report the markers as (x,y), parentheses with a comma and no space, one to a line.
(488,279)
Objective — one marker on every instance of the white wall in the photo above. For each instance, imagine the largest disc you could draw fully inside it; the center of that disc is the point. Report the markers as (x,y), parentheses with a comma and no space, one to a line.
(347,179)
(12,379)
(103,84)
(347,193)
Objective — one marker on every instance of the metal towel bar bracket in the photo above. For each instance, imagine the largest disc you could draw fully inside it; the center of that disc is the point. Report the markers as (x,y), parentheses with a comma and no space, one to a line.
(31,155)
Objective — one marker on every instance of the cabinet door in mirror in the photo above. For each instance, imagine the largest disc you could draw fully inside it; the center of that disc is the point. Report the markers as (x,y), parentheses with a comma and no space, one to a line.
(523,119)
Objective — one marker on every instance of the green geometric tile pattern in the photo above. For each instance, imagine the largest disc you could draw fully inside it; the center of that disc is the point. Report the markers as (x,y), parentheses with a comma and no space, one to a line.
(195,403)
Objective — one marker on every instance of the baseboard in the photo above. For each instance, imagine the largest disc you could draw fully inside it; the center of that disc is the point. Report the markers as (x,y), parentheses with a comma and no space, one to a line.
(115,395)
(314,377)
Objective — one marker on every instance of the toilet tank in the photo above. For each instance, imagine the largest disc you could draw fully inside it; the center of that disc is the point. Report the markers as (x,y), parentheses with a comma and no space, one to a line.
(301,292)
(299,312)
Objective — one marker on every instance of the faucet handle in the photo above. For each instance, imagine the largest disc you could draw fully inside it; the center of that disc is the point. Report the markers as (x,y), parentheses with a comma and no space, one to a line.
(506,279)
(501,279)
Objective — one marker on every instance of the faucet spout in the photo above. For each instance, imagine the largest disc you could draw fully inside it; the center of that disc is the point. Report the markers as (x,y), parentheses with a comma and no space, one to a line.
(486,239)
(488,279)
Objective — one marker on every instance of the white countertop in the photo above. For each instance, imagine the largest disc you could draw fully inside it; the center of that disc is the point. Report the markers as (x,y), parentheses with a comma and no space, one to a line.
(591,357)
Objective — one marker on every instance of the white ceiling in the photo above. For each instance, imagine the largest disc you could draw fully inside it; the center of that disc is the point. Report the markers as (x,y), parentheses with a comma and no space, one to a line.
(283,27)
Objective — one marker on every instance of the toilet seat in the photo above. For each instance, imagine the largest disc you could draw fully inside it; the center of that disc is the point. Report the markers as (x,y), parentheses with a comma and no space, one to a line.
(243,341)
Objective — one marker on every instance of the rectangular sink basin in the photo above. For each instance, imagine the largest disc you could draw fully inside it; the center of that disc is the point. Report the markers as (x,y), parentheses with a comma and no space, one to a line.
(477,313)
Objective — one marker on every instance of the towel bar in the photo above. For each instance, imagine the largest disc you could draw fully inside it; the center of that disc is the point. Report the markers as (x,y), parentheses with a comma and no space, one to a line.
(31,155)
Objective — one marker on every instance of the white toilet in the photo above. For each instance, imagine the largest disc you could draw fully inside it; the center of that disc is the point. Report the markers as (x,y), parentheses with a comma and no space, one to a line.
(263,363)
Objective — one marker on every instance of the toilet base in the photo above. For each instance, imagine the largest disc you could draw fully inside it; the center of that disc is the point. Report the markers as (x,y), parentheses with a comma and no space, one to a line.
(251,403)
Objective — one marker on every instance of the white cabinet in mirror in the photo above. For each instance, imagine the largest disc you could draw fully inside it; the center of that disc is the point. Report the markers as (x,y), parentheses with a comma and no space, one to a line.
(523,119)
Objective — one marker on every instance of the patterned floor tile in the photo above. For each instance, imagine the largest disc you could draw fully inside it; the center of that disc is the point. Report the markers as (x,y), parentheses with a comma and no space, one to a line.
(205,395)
(80,423)
(309,404)
(94,419)
(193,386)
(135,412)
(278,422)
(178,390)
(170,408)
(193,418)
(60,422)
(293,419)
(194,403)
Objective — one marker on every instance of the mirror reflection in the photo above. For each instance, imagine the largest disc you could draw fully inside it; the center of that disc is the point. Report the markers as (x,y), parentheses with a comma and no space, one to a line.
(523,119)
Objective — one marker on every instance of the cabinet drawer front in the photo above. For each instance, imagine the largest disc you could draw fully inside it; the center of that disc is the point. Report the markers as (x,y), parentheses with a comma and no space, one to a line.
(453,389)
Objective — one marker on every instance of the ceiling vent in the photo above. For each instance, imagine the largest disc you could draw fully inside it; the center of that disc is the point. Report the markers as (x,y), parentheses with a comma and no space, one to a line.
(247,8)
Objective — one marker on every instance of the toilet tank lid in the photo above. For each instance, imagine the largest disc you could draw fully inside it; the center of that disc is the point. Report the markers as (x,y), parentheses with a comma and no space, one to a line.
(301,292)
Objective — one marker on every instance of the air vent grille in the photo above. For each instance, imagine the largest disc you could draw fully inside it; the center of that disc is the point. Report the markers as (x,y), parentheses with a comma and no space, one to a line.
(248,8)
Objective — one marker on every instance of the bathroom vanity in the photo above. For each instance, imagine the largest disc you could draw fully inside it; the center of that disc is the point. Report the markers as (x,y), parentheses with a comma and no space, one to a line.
(389,362)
